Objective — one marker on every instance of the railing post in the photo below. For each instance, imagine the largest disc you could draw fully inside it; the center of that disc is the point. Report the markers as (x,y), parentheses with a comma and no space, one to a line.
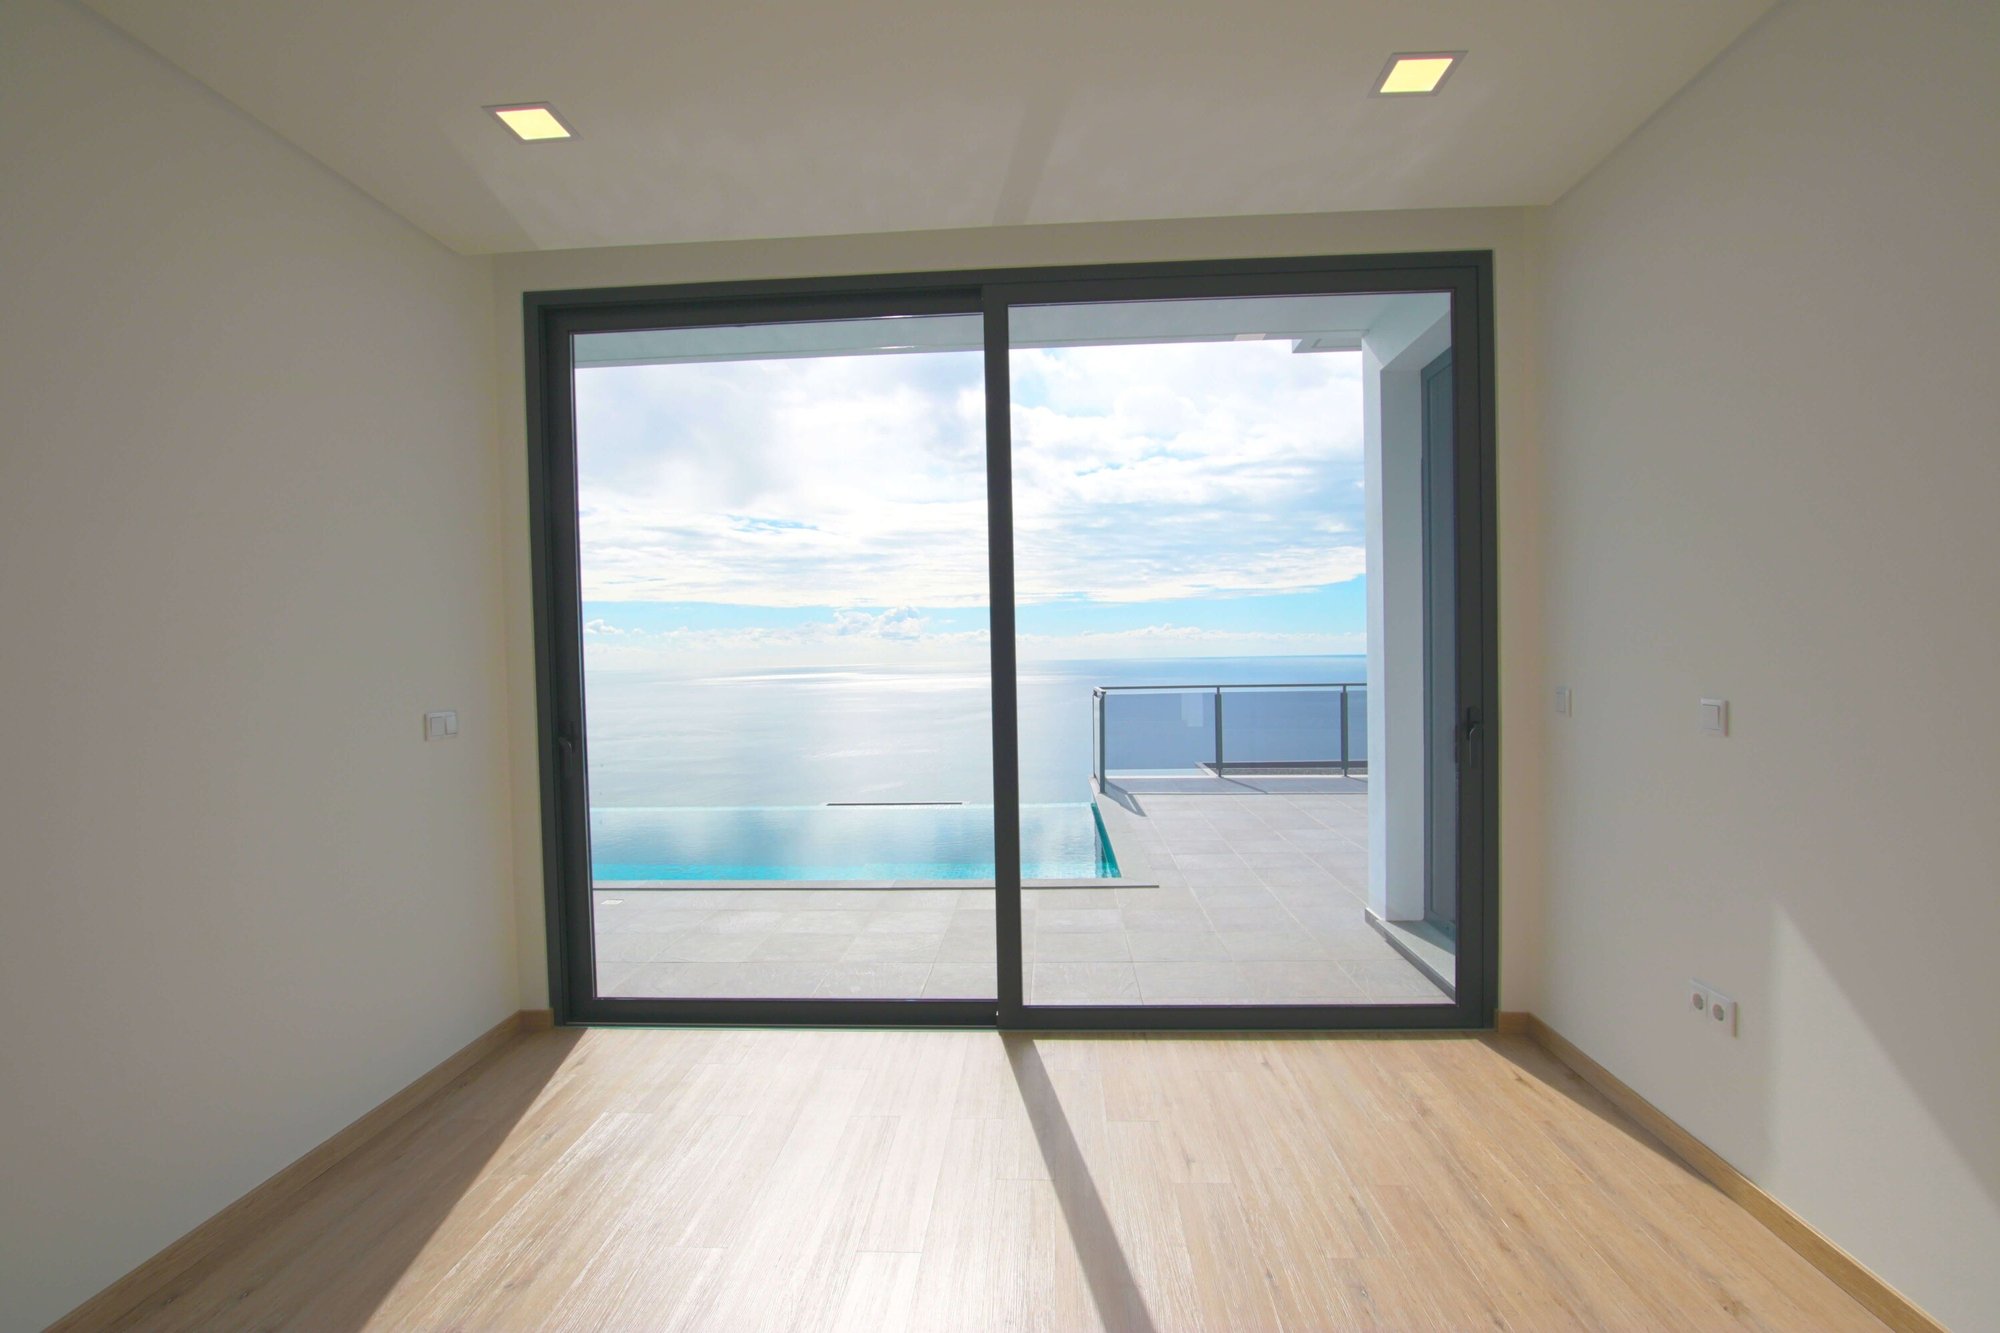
(1343,731)
(1218,731)
(1103,706)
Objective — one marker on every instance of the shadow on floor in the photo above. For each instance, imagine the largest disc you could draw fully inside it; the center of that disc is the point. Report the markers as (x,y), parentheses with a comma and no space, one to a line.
(1123,797)
(1536,1064)
(1120,1305)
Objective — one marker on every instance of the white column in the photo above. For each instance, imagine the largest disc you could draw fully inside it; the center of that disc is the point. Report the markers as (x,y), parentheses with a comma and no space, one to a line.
(1411,333)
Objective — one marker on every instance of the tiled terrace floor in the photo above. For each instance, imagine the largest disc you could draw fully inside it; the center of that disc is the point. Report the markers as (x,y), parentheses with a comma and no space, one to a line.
(1246,891)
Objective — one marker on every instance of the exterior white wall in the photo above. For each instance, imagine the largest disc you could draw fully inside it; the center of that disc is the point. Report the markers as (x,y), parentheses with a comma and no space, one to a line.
(248,534)
(1410,335)
(1501,231)
(1772,474)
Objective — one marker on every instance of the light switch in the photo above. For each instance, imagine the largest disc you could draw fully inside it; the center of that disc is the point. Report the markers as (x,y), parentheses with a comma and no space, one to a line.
(1715,717)
(440,726)
(1562,701)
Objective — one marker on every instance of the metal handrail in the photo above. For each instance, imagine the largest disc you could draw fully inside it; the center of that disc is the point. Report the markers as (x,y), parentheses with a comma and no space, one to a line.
(1098,693)
(1189,689)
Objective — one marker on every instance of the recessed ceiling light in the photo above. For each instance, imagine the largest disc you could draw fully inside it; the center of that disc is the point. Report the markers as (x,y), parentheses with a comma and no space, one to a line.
(532,121)
(1416,72)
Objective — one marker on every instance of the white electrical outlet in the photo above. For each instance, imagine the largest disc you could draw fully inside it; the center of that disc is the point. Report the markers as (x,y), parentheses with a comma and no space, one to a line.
(1721,1013)
(1712,1008)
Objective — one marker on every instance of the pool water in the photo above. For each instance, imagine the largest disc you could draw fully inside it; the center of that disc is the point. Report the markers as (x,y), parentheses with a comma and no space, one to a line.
(841,842)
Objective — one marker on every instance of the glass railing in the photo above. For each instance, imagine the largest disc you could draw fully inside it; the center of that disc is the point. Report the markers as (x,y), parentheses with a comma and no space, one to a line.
(1222,729)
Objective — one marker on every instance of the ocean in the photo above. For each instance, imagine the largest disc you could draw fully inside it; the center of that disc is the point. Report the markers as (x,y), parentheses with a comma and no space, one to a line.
(808,737)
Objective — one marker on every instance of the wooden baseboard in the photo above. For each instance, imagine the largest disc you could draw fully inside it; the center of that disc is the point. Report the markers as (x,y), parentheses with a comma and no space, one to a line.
(1511,1023)
(251,1211)
(1850,1274)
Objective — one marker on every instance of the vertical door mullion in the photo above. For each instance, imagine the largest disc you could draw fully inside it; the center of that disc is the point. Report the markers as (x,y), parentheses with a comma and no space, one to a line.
(1006,715)
(1470,460)
(578,940)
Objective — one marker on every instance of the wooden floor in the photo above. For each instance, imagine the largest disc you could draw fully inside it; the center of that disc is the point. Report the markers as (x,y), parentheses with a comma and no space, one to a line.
(721,1180)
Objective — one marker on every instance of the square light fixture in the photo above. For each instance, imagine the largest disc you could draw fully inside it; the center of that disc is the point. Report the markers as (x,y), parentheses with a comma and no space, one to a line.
(1416,73)
(534,122)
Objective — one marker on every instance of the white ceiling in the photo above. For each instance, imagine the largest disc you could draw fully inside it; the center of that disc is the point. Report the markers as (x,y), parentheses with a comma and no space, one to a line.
(754,118)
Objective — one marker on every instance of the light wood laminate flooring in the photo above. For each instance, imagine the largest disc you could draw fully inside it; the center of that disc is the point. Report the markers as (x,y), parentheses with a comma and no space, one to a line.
(871,1180)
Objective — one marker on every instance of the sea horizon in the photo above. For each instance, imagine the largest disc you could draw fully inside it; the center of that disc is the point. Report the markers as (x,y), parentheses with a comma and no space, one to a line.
(922,732)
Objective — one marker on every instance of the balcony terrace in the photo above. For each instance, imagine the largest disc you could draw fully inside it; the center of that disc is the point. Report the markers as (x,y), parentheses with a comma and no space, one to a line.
(1244,888)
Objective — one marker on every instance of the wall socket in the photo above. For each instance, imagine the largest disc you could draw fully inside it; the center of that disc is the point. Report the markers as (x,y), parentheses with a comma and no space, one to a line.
(1711,1008)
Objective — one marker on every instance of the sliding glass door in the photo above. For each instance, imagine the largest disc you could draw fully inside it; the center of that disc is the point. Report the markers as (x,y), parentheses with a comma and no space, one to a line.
(1223,548)
(1059,649)
(785,699)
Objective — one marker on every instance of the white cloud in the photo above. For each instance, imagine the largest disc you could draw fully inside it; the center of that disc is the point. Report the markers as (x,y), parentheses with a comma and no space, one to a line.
(900,638)
(1181,470)
(849,638)
(1140,473)
(902,624)
(1185,641)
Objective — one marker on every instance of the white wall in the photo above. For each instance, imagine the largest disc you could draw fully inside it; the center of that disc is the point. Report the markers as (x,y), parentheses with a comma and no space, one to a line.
(1773,474)
(248,534)
(1500,231)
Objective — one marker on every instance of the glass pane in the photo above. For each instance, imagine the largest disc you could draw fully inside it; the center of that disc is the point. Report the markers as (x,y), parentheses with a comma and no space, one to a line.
(1221,579)
(787,695)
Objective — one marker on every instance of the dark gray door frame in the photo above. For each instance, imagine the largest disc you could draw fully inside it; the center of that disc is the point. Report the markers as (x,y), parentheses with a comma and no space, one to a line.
(552,319)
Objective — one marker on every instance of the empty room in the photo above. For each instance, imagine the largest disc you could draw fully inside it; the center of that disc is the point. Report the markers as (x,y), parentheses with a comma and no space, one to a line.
(895,666)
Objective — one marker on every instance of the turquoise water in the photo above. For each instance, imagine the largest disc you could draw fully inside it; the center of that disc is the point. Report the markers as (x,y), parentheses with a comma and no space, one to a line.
(841,842)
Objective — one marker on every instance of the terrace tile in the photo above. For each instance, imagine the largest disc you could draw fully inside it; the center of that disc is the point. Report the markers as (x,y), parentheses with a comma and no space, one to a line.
(1164,946)
(961,981)
(908,923)
(1393,980)
(885,947)
(1293,982)
(1272,918)
(954,948)
(825,923)
(1271,946)
(1184,982)
(866,981)
(1082,946)
(796,948)
(735,921)
(1083,918)
(1165,919)
(703,947)
(1082,983)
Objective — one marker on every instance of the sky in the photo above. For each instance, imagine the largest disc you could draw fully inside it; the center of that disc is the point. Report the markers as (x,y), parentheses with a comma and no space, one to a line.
(1184,499)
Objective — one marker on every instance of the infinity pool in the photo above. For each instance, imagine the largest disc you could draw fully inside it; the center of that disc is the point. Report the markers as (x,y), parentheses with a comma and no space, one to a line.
(841,842)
